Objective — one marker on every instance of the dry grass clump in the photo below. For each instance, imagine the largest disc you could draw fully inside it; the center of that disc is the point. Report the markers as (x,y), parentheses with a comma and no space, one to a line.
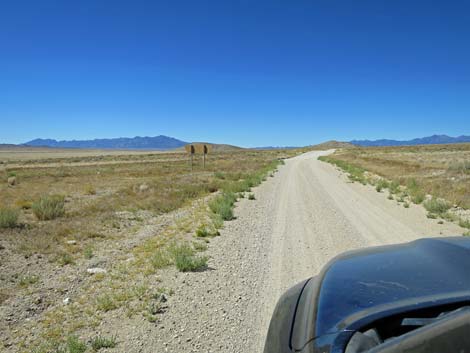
(8,218)
(49,207)
(90,190)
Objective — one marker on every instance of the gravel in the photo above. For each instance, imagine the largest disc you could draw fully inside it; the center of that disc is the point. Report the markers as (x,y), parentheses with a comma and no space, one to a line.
(301,218)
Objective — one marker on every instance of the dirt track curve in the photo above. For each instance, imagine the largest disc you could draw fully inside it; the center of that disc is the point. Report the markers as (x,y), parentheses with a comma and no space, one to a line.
(301,218)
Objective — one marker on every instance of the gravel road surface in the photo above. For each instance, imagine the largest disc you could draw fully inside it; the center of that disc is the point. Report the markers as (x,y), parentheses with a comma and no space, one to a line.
(301,218)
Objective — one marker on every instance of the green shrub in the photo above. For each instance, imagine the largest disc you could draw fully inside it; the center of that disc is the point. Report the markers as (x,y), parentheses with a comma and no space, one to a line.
(251,197)
(204,232)
(219,175)
(417,197)
(436,206)
(65,259)
(416,194)
(27,280)
(394,187)
(8,217)
(185,258)
(88,252)
(74,345)
(381,184)
(223,205)
(464,223)
(217,220)
(103,342)
(49,207)
(412,184)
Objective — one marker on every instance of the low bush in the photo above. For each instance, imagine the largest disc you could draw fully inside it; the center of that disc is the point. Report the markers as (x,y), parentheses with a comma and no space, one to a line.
(49,207)
(417,197)
(464,223)
(103,342)
(394,187)
(381,184)
(88,252)
(204,231)
(8,218)
(27,280)
(436,206)
(251,197)
(74,345)
(65,259)
(222,205)
(185,258)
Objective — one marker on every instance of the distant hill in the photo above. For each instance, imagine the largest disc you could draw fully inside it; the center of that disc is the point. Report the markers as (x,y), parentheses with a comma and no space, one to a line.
(151,143)
(328,145)
(430,140)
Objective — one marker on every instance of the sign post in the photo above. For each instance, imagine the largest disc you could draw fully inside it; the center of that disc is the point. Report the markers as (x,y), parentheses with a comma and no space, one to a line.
(198,148)
(204,157)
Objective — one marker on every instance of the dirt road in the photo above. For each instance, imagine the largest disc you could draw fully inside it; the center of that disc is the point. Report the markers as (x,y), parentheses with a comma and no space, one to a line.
(302,217)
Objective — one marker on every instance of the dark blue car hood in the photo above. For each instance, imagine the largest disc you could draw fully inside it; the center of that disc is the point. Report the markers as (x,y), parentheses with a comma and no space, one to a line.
(363,283)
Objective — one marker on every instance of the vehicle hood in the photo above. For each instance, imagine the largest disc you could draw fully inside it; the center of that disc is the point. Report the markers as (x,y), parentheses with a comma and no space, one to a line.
(365,283)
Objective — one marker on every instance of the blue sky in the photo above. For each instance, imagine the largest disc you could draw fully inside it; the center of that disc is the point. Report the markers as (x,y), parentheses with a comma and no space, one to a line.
(246,72)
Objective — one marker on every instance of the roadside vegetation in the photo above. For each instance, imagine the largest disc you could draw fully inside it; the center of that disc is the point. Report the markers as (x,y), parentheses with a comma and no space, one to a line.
(8,217)
(436,176)
(65,215)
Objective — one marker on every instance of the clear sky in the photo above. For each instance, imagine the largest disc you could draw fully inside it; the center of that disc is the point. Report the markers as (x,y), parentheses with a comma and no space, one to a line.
(246,72)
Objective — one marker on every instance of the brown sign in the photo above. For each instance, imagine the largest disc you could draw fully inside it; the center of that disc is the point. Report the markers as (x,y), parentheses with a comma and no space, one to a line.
(200,148)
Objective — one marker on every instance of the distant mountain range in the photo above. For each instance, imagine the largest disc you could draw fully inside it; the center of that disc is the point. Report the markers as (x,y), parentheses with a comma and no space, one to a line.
(275,148)
(168,143)
(147,143)
(430,140)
